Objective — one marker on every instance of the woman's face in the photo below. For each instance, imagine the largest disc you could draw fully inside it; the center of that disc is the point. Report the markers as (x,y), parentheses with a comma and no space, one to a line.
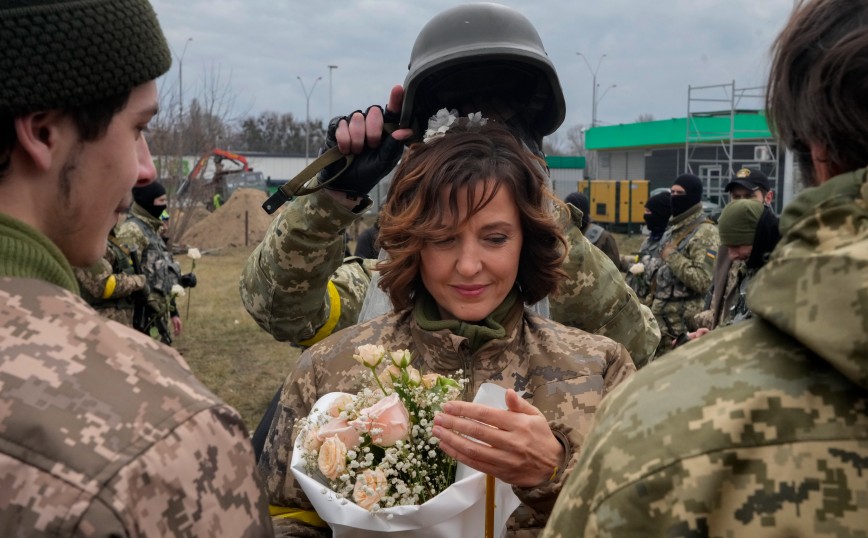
(471,272)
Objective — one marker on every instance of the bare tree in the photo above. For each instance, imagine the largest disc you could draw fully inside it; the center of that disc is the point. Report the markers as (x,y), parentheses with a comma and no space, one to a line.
(645,117)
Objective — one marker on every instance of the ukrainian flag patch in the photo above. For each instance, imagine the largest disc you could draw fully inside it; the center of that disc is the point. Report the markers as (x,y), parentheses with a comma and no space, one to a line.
(711,253)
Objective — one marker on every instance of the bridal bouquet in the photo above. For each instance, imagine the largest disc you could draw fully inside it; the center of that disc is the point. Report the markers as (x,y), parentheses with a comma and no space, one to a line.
(369,463)
(375,448)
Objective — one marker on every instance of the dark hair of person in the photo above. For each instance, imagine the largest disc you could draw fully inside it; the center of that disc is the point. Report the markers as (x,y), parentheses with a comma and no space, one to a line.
(818,82)
(490,157)
(92,122)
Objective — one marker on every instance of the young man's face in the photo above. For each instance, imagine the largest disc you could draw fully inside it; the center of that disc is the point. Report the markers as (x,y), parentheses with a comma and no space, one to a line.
(741,193)
(97,177)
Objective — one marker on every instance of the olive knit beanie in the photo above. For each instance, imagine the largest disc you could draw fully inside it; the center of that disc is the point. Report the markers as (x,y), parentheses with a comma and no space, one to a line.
(738,221)
(57,54)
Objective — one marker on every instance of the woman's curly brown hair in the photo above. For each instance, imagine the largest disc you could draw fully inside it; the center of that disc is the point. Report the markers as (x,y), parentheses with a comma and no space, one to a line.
(464,159)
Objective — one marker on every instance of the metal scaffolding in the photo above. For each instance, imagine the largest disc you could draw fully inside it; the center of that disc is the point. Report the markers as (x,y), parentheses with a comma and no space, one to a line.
(717,145)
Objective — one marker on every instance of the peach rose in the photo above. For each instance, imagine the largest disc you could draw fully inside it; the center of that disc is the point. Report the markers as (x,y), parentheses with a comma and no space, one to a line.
(339,404)
(389,375)
(414,377)
(340,428)
(370,487)
(429,380)
(332,460)
(311,441)
(387,421)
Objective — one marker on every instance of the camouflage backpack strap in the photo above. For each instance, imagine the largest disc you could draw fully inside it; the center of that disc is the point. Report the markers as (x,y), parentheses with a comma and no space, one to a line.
(682,242)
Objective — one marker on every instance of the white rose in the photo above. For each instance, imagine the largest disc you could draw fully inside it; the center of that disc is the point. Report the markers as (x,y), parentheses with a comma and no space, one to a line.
(178,290)
(637,268)
(194,254)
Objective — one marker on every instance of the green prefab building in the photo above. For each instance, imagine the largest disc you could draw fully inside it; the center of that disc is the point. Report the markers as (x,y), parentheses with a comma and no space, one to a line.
(712,146)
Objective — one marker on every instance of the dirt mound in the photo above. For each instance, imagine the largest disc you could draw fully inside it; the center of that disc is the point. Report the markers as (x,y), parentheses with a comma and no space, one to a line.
(225,227)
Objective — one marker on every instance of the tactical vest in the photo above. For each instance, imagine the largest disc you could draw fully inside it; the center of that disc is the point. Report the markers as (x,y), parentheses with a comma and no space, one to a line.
(649,256)
(161,270)
(667,287)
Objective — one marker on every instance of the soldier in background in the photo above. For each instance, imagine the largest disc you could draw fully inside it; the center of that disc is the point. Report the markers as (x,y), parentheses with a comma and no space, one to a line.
(748,233)
(761,428)
(142,231)
(104,432)
(111,285)
(594,233)
(688,252)
(642,269)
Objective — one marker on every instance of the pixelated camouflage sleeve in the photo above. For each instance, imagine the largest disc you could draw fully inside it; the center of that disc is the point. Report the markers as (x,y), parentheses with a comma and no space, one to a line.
(96,280)
(285,282)
(694,265)
(596,298)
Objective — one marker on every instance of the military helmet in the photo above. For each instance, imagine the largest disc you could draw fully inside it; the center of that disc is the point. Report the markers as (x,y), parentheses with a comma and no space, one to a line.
(482,51)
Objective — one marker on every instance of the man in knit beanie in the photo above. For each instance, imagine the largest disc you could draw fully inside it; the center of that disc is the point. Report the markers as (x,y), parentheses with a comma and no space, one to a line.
(688,253)
(749,232)
(104,431)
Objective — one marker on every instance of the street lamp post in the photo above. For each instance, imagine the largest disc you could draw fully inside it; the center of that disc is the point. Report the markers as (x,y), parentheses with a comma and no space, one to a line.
(307,95)
(594,99)
(331,68)
(181,101)
(601,97)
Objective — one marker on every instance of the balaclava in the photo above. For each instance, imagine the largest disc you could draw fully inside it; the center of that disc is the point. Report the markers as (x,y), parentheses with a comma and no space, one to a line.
(661,209)
(145,196)
(692,186)
(580,200)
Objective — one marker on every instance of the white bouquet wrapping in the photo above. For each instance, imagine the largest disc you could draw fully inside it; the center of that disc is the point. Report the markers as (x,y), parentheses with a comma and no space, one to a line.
(459,510)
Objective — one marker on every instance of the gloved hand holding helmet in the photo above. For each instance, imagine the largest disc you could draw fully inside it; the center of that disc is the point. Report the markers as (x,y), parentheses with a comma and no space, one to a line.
(377,155)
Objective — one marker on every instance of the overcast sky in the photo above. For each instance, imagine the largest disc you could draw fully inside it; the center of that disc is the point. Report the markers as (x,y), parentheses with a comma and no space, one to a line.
(654,50)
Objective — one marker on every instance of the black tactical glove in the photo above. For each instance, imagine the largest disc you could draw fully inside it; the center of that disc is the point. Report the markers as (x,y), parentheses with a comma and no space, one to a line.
(367,168)
(188,280)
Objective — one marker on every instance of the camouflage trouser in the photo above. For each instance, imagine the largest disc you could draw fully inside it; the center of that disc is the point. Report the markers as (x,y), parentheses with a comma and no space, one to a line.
(674,317)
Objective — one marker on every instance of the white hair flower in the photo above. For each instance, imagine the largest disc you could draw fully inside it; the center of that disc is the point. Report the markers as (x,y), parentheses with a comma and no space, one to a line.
(444,119)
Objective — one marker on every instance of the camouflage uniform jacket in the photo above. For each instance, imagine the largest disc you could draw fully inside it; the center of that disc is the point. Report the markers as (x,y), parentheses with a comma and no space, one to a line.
(761,428)
(108,284)
(684,277)
(566,370)
(104,431)
(140,232)
(729,300)
(298,286)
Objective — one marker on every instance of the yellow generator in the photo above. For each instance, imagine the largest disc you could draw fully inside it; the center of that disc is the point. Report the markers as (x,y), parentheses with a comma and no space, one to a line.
(617,203)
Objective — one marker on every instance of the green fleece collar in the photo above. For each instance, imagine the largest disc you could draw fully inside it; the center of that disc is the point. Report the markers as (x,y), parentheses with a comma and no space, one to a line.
(428,318)
(27,253)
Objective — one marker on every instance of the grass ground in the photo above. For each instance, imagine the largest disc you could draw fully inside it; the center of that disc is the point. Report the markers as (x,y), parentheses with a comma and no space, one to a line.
(225,348)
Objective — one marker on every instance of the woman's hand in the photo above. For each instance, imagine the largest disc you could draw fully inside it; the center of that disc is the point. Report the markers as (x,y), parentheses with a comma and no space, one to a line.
(521,450)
